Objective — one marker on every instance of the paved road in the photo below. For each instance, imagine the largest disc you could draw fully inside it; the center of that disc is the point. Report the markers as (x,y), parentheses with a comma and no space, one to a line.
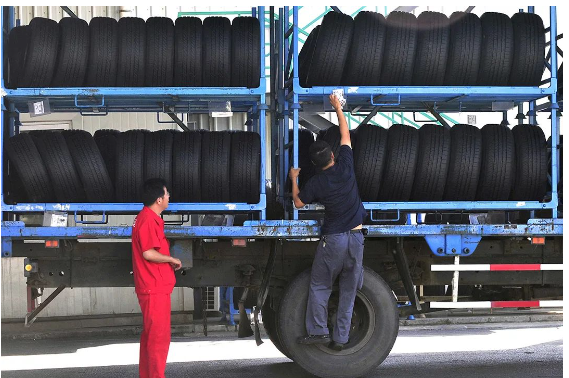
(497,350)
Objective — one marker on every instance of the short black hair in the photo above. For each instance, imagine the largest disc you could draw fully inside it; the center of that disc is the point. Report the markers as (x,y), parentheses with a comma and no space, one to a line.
(153,189)
(320,153)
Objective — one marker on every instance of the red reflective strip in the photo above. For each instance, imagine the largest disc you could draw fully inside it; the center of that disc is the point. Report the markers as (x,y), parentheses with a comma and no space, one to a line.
(496,267)
(505,304)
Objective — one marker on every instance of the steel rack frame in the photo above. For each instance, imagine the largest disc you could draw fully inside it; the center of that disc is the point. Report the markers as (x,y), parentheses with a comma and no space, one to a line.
(101,101)
(293,97)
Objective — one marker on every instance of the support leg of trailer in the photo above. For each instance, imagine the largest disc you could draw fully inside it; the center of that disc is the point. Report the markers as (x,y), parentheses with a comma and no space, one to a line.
(403,268)
(31,317)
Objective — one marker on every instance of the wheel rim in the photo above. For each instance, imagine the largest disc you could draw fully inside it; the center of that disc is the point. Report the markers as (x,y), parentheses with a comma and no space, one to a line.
(361,328)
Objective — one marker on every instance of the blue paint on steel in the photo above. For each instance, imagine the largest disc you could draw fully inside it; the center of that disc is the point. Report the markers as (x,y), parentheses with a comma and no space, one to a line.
(6,247)
(453,244)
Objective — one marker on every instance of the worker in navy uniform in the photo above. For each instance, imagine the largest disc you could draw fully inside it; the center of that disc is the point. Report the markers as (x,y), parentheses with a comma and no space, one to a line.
(340,250)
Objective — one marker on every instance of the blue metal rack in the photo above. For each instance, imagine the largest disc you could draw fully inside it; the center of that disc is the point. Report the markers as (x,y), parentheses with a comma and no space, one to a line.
(411,98)
(100,101)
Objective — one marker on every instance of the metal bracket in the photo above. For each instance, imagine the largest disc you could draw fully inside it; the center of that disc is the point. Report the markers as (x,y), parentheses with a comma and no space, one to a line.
(403,268)
(453,245)
(68,11)
(6,247)
(31,317)
(436,114)
(372,98)
(263,290)
(104,219)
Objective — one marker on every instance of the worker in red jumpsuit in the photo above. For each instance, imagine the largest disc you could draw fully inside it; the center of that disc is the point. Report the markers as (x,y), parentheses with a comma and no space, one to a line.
(154,279)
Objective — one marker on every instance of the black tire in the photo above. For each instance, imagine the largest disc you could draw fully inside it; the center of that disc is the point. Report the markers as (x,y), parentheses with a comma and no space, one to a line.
(529,50)
(188,52)
(129,167)
(73,53)
(245,52)
(530,179)
(497,51)
(306,54)
(27,161)
(270,324)
(131,52)
(59,165)
(245,167)
(433,38)
(103,52)
(216,52)
(498,159)
(371,339)
(89,165)
(41,54)
(158,155)
(363,65)
(18,43)
(400,165)
(186,166)
(159,52)
(307,169)
(331,50)
(369,160)
(464,49)
(432,163)
(464,163)
(106,140)
(216,155)
(399,51)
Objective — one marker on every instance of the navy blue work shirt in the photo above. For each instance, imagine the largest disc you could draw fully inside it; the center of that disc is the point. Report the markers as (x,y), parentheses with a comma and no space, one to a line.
(337,190)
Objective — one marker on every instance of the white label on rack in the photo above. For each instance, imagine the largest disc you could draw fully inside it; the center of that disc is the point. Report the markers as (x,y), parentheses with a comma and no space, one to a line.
(353,89)
(39,108)
(519,204)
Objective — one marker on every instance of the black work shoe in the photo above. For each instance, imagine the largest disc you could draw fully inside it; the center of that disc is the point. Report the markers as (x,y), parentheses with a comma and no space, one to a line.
(336,346)
(314,339)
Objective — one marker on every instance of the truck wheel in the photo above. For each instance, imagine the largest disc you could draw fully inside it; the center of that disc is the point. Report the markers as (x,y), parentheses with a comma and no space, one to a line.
(375,323)
(270,323)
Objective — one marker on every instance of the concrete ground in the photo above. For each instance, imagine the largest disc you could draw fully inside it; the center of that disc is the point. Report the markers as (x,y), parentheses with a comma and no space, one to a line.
(533,349)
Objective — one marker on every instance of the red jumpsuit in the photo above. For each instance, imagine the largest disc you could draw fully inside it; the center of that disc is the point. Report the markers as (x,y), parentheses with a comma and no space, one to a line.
(153,283)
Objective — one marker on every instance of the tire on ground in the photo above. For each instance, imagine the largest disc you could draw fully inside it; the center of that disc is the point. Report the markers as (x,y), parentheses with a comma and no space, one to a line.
(186,167)
(464,49)
(73,53)
(59,165)
(529,50)
(129,168)
(433,38)
(530,179)
(371,340)
(188,52)
(27,161)
(399,51)
(216,155)
(158,155)
(131,52)
(400,165)
(159,52)
(432,163)
(464,163)
(41,54)
(331,51)
(103,53)
(369,160)
(245,52)
(497,51)
(89,165)
(216,53)
(245,167)
(306,54)
(18,43)
(363,65)
(498,164)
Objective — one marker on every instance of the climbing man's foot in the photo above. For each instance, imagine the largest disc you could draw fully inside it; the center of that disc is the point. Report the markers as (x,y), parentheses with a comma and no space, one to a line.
(314,339)
(336,346)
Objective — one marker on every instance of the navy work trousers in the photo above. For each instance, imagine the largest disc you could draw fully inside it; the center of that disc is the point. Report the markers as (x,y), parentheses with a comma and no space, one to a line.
(336,255)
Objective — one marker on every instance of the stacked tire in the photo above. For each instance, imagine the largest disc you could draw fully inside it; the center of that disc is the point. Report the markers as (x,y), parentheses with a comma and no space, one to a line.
(428,50)
(198,166)
(135,53)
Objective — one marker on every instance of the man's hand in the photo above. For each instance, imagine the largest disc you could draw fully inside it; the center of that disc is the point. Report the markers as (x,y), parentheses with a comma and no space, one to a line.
(335,102)
(293,173)
(176,263)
